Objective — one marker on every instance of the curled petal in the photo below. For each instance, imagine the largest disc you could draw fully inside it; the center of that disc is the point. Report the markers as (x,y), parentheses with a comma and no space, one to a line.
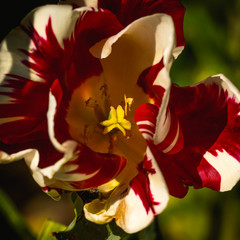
(38,52)
(117,61)
(133,207)
(102,168)
(72,172)
(160,23)
(220,167)
(30,57)
(128,11)
(208,114)
(145,118)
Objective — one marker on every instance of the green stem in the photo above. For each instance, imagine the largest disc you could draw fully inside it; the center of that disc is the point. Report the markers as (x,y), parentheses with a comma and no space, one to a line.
(13,217)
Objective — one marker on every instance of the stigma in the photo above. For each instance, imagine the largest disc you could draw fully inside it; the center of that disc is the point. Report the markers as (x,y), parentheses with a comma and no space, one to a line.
(116,121)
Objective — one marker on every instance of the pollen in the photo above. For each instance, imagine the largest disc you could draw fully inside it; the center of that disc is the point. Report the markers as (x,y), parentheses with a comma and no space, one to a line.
(128,104)
(116,121)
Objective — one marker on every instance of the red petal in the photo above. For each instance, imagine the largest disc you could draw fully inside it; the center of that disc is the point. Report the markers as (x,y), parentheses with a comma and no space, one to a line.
(73,63)
(145,118)
(90,29)
(128,11)
(29,99)
(29,102)
(106,165)
(146,80)
(209,121)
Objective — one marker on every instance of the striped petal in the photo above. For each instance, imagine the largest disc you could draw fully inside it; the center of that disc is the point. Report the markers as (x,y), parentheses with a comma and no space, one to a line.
(40,51)
(220,167)
(72,171)
(135,206)
(30,58)
(129,11)
(208,114)
(125,56)
(38,58)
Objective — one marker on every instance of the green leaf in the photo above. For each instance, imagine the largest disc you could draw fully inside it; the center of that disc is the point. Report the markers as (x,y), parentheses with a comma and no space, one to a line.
(78,206)
(82,229)
(14,218)
(49,227)
(111,235)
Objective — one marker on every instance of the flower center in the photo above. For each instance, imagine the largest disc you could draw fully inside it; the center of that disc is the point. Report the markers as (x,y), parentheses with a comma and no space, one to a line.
(110,120)
(116,120)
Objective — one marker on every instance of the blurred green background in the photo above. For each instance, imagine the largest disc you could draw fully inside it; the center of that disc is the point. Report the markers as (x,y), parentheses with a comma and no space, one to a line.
(212,34)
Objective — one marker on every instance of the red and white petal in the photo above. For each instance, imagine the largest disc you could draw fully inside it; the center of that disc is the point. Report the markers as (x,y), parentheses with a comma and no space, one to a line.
(171,138)
(147,197)
(126,55)
(31,32)
(35,54)
(129,11)
(26,60)
(74,171)
(208,114)
(133,207)
(219,171)
(220,167)
(71,171)
(157,184)
(159,44)
(63,20)
(156,82)
(145,118)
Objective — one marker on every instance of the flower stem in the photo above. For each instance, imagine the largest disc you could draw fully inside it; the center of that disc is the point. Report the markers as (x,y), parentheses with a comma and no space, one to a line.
(13,218)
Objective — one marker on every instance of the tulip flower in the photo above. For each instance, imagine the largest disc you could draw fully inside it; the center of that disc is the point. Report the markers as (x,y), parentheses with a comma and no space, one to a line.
(86,100)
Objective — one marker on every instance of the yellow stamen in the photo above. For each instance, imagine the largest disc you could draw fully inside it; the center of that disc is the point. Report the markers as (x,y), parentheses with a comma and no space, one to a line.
(109,186)
(128,104)
(116,120)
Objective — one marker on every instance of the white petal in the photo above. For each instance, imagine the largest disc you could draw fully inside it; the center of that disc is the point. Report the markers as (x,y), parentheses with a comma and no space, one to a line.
(135,207)
(137,47)
(227,166)
(158,185)
(63,20)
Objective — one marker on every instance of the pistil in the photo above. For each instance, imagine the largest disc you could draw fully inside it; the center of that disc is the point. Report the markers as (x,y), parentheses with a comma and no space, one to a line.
(116,121)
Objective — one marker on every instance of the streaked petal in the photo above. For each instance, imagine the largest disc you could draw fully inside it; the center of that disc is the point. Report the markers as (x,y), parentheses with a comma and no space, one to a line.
(20,119)
(26,63)
(104,166)
(129,11)
(133,208)
(74,171)
(208,114)
(120,51)
(33,37)
(37,53)
(219,171)
(145,118)
(223,158)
